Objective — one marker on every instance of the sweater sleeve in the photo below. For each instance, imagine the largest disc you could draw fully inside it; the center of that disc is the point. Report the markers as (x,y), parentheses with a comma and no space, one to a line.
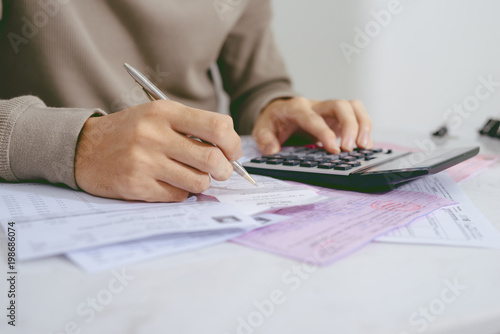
(251,67)
(39,143)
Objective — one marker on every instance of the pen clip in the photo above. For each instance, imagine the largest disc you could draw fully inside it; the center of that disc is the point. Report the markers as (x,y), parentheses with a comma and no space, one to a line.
(150,97)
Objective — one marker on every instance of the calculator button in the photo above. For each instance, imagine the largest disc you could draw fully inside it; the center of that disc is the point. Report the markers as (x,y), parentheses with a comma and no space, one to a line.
(348,158)
(376,150)
(357,155)
(327,165)
(366,152)
(331,156)
(291,157)
(337,161)
(354,164)
(309,164)
(343,154)
(389,151)
(342,167)
(369,158)
(274,161)
(291,162)
(258,160)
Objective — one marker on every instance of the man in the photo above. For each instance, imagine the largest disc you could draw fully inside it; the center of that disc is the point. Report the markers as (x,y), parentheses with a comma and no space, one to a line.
(69,113)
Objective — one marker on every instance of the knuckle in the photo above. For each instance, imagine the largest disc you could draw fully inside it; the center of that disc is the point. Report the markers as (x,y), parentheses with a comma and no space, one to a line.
(220,125)
(153,109)
(160,109)
(356,103)
(340,104)
(139,131)
(211,158)
(300,101)
(200,184)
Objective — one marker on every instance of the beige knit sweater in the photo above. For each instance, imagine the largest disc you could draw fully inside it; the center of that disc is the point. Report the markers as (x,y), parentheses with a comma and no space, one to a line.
(61,61)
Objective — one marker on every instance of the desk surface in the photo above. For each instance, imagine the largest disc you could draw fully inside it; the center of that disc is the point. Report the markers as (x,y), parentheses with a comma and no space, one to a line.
(383,288)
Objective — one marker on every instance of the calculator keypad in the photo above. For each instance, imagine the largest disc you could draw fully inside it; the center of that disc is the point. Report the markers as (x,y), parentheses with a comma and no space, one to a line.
(308,158)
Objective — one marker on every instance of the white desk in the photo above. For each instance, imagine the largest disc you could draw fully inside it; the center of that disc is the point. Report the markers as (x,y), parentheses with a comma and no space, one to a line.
(375,290)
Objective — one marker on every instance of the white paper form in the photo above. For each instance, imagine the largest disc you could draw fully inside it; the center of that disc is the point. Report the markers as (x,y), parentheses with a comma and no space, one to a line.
(270,194)
(458,225)
(27,201)
(51,219)
(53,236)
(125,253)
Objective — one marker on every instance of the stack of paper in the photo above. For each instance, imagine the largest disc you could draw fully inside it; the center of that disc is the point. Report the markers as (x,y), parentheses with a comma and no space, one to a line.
(52,220)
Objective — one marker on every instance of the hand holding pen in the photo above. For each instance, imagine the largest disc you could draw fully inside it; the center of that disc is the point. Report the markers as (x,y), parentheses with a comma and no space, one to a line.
(140,153)
(153,94)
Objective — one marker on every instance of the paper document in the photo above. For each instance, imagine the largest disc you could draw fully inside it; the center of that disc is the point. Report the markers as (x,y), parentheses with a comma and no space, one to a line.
(271,193)
(125,253)
(27,201)
(53,220)
(460,225)
(470,168)
(60,235)
(327,231)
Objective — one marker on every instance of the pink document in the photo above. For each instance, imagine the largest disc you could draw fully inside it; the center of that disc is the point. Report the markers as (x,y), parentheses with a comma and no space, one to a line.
(324,232)
(470,168)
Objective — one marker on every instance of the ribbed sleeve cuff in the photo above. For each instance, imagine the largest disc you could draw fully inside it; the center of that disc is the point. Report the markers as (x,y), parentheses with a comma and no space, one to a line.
(43,143)
(10,110)
(251,109)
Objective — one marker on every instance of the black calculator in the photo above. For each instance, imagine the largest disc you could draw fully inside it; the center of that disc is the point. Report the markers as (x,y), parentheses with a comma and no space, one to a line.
(376,169)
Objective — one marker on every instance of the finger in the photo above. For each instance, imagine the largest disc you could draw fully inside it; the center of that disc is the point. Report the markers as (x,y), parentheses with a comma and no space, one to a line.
(204,157)
(169,193)
(209,126)
(151,190)
(365,124)
(266,139)
(181,176)
(314,124)
(344,113)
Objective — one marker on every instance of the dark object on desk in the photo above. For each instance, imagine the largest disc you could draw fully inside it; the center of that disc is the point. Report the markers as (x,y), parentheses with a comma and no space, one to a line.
(491,128)
(441,132)
(362,170)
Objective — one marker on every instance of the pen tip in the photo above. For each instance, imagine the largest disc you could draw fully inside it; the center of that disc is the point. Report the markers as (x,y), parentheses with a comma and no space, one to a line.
(251,180)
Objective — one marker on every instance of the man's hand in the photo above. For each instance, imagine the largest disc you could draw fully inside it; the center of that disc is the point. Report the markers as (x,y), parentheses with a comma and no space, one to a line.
(323,120)
(141,153)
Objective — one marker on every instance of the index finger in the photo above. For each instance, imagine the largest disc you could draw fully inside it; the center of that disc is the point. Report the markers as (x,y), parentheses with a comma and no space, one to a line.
(314,124)
(209,126)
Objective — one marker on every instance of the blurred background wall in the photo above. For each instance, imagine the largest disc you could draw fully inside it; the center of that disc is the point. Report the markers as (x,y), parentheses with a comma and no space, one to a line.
(418,65)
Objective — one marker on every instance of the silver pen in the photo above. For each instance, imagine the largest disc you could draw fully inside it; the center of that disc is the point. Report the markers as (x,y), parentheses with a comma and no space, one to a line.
(154,93)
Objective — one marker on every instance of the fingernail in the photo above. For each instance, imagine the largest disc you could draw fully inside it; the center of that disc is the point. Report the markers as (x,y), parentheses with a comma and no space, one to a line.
(271,149)
(363,140)
(333,144)
(349,143)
